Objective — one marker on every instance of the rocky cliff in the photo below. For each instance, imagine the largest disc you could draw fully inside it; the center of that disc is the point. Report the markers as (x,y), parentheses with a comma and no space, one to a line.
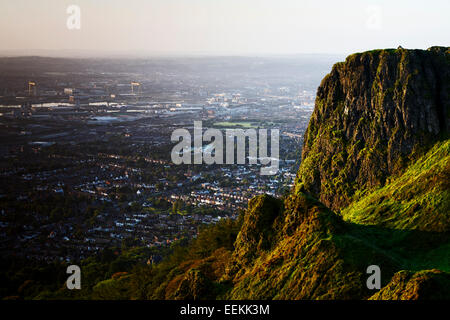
(375,113)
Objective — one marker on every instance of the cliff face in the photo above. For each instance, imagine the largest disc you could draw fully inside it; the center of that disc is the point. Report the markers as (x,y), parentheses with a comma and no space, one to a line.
(375,113)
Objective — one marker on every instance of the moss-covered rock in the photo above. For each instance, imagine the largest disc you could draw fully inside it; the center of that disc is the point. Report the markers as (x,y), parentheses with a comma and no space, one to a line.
(375,113)
(314,255)
(422,285)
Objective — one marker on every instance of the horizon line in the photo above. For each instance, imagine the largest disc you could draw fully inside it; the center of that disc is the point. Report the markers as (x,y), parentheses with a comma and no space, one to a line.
(70,53)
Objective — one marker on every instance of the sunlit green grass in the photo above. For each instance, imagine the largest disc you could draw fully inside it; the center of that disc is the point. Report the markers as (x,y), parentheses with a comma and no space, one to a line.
(418,199)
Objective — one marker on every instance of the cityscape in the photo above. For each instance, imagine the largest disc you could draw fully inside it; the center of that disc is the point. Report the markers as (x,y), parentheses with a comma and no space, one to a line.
(86,147)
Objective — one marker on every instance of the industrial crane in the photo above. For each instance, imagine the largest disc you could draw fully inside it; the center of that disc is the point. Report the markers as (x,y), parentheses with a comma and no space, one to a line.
(135,84)
(31,84)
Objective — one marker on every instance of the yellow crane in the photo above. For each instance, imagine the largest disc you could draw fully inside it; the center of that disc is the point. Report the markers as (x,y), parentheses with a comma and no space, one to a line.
(135,84)
(31,84)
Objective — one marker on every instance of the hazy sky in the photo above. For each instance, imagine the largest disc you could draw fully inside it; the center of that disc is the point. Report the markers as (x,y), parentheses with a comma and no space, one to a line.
(224,26)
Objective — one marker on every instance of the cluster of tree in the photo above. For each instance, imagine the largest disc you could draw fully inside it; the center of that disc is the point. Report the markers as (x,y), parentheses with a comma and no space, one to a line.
(50,207)
(126,273)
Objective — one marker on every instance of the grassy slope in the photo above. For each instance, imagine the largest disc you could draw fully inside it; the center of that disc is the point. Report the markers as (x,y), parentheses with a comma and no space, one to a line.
(414,211)
(419,199)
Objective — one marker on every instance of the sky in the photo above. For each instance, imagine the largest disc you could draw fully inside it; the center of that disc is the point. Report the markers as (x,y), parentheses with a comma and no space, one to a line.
(221,27)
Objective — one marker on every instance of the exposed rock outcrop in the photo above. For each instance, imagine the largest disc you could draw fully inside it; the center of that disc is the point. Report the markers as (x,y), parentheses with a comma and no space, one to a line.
(423,285)
(374,113)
